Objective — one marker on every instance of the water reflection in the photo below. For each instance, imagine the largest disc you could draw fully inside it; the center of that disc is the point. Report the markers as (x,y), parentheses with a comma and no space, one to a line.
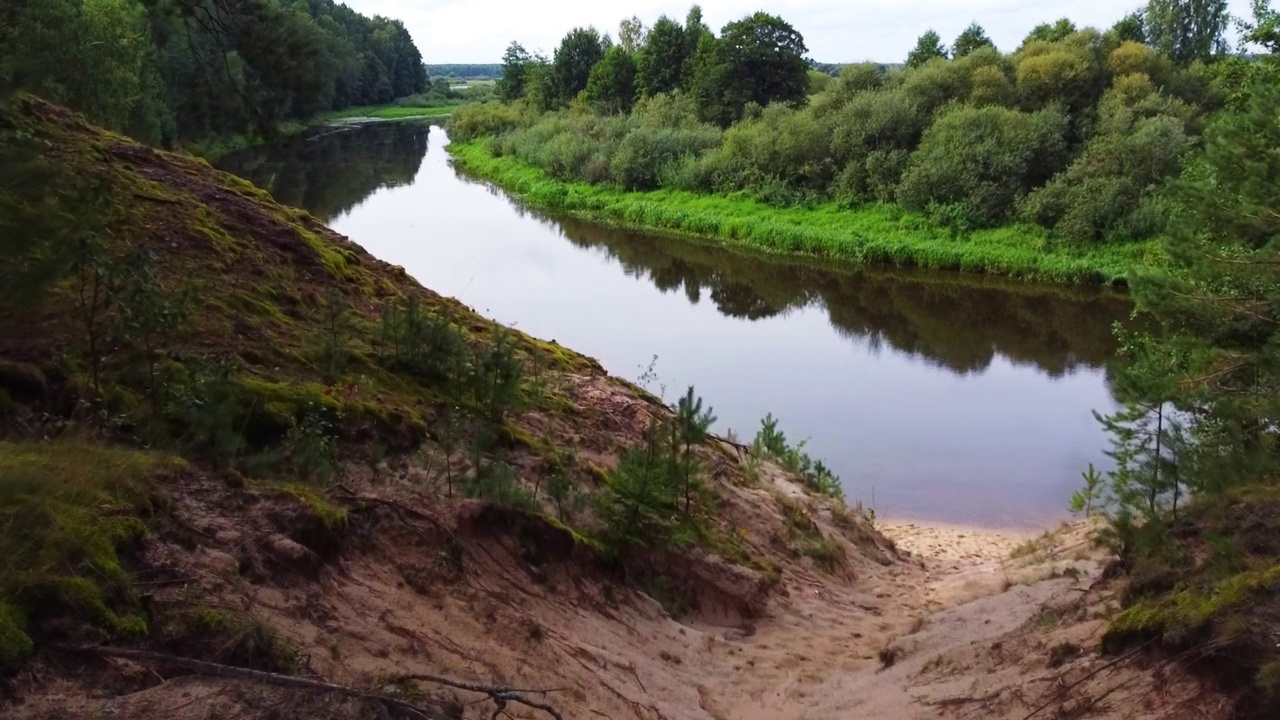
(332,170)
(941,396)
(960,323)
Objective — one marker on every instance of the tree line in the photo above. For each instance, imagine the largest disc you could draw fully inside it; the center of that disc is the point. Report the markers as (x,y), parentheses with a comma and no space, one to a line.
(1077,130)
(169,71)
(465,71)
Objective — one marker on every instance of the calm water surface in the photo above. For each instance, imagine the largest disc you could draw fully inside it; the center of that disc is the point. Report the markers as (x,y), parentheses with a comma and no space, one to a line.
(934,396)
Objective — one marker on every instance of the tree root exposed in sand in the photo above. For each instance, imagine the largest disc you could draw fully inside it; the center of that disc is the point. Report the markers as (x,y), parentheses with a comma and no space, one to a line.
(500,695)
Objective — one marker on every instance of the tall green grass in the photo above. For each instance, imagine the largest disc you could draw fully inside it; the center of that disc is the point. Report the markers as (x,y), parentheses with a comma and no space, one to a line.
(871,233)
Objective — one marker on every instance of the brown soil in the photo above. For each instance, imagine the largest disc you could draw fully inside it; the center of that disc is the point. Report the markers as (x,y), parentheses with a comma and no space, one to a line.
(484,595)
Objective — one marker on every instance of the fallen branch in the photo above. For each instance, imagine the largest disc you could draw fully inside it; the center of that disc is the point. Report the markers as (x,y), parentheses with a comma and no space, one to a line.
(964,700)
(500,695)
(1061,692)
(399,508)
(200,667)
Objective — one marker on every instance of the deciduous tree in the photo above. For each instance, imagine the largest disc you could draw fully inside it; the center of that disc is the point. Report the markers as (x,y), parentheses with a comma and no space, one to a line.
(611,87)
(579,51)
(759,59)
(1187,30)
(515,71)
(660,63)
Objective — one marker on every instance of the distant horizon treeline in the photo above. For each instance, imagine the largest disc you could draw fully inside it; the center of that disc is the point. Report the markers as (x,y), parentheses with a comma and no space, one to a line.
(170,71)
(1075,131)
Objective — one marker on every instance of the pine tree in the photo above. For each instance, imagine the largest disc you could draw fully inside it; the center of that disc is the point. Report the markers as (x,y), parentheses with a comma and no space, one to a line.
(928,47)
(971,39)
(1214,353)
(693,428)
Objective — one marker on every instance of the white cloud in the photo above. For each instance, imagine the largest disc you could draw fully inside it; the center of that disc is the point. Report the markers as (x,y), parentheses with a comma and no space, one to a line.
(835,31)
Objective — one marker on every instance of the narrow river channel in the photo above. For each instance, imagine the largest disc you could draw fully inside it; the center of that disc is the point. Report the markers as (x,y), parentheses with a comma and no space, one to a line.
(934,396)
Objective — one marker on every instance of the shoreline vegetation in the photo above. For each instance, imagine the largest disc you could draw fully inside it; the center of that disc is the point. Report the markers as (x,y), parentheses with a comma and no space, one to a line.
(872,234)
(217,147)
(387,112)
(1056,160)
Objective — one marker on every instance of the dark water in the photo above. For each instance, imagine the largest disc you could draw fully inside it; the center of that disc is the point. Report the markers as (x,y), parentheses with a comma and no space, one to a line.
(942,397)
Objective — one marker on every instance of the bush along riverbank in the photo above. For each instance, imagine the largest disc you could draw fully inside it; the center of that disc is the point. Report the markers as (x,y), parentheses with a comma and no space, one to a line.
(873,233)
(1053,161)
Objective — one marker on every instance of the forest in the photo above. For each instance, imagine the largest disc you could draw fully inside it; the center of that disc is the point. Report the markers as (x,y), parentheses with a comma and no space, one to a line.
(170,72)
(1073,136)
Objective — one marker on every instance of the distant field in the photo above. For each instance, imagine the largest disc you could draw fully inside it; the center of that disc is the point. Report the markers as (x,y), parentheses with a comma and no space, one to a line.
(490,70)
(387,112)
(464,83)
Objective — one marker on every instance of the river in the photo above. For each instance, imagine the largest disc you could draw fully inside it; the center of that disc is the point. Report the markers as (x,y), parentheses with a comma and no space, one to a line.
(935,396)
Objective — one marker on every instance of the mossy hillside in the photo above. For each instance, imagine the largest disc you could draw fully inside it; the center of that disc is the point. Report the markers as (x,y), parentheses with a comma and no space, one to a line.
(291,311)
(67,509)
(1213,594)
(868,234)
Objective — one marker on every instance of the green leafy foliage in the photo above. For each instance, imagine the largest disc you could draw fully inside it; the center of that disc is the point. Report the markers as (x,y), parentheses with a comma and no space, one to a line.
(424,343)
(661,63)
(1084,499)
(579,51)
(1201,415)
(759,59)
(611,87)
(179,70)
(1052,32)
(1077,132)
(982,160)
(692,428)
(1186,30)
(494,378)
(515,70)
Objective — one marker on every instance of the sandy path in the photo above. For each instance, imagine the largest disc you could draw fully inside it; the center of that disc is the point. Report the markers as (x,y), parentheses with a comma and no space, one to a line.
(818,656)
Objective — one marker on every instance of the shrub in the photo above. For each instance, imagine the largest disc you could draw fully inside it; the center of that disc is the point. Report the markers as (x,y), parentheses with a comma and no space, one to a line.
(983,159)
(857,78)
(1104,189)
(1058,72)
(492,118)
(641,507)
(884,120)
(990,86)
(790,146)
(498,483)
(423,343)
(645,153)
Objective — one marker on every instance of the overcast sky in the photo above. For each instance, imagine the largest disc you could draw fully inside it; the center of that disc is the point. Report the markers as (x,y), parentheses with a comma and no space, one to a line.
(477,31)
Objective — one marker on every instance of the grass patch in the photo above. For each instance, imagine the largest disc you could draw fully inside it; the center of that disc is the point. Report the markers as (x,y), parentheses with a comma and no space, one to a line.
(868,234)
(387,112)
(227,637)
(66,511)
(805,538)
